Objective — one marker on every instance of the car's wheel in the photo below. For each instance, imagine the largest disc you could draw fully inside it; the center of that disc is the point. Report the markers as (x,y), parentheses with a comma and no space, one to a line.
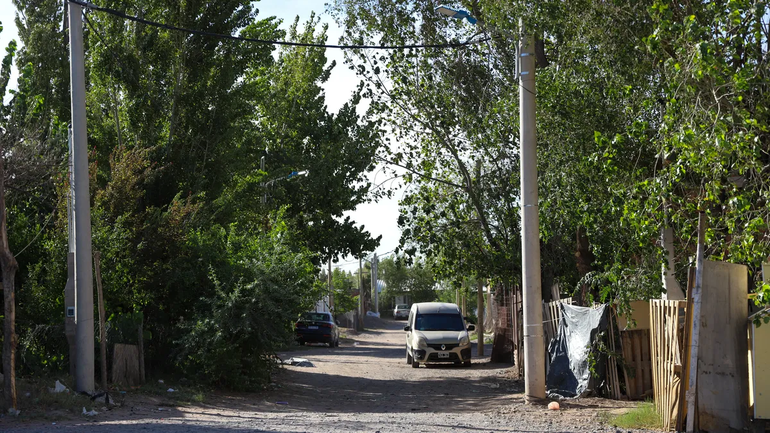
(408,357)
(467,363)
(301,343)
(415,364)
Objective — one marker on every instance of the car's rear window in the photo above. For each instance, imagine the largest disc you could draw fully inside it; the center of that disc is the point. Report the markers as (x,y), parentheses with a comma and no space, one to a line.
(316,317)
(439,322)
(402,307)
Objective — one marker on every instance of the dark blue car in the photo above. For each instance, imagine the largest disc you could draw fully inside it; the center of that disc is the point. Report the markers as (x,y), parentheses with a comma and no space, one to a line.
(318,328)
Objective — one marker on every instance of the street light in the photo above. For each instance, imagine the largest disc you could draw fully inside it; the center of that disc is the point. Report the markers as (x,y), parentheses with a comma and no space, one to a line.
(455,13)
(272,181)
(534,356)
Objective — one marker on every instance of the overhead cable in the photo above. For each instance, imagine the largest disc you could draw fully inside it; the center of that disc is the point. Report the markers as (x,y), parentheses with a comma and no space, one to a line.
(123,15)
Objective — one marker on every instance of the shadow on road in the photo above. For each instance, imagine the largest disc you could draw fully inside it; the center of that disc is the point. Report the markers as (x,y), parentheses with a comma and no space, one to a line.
(311,392)
(369,373)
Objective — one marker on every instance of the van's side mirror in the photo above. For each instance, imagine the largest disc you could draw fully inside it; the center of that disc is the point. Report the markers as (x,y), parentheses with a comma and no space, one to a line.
(471,328)
(407,328)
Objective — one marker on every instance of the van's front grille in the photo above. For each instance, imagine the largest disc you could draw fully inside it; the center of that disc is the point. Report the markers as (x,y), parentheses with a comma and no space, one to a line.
(452,357)
(446,346)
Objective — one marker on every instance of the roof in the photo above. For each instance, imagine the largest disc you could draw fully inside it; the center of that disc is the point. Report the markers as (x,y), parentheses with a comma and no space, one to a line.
(436,307)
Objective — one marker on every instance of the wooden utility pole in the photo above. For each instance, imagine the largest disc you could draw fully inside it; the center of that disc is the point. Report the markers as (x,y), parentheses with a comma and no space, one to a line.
(102,330)
(692,390)
(480,317)
(140,343)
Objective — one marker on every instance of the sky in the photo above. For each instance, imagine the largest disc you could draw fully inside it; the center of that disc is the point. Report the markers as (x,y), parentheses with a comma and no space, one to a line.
(380,218)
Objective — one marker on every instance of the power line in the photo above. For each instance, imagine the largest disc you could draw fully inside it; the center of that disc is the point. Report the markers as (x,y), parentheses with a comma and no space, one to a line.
(123,15)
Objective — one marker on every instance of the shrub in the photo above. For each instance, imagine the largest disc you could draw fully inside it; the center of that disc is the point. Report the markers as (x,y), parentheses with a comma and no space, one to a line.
(267,283)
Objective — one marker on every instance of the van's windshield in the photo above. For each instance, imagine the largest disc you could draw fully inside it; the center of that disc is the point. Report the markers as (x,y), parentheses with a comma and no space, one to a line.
(439,322)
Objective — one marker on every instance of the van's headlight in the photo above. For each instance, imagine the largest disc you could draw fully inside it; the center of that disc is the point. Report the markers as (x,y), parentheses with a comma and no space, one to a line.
(464,341)
(422,343)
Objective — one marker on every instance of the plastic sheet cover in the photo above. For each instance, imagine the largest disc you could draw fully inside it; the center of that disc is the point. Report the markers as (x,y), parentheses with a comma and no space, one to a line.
(569,375)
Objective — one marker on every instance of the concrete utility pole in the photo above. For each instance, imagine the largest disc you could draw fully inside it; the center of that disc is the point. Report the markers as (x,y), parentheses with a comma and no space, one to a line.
(534,361)
(69,289)
(84,289)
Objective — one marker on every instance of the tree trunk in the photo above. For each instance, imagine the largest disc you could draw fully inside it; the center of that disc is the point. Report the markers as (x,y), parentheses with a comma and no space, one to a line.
(9,266)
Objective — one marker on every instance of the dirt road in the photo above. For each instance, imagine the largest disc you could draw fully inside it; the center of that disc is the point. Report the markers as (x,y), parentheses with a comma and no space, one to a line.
(364,385)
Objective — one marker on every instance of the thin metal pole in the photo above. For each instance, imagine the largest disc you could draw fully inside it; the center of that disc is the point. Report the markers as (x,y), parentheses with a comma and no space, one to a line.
(375,266)
(480,318)
(692,391)
(331,288)
(360,323)
(534,361)
(264,185)
(84,289)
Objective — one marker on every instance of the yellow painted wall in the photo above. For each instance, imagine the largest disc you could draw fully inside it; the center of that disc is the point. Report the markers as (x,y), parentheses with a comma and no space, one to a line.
(640,313)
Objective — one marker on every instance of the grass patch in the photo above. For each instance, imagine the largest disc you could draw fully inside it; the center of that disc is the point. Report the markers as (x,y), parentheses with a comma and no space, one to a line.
(644,416)
(184,392)
(36,402)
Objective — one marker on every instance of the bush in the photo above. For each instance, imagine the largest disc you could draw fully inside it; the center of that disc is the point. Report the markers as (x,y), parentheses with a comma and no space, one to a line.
(265,286)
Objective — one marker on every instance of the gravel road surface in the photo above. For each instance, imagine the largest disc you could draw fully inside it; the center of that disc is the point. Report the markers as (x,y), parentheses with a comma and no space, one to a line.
(363,386)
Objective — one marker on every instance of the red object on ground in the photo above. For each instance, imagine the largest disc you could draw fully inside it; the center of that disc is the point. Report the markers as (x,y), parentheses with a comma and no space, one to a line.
(553,405)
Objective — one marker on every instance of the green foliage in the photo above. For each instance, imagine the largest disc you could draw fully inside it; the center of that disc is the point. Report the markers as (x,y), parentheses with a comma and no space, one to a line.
(343,284)
(416,280)
(176,129)
(648,113)
(231,339)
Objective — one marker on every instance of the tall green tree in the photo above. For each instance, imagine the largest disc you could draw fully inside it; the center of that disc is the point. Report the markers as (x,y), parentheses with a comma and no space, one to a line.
(178,124)
(415,280)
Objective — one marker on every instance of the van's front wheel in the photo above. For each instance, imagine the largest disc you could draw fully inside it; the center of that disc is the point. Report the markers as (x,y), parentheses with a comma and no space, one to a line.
(415,364)
(408,357)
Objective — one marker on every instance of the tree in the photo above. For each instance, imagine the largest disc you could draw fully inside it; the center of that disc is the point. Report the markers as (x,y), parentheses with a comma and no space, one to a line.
(177,126)
(29,157)
(416,280)
(336,149)
(448,111)
(8,263)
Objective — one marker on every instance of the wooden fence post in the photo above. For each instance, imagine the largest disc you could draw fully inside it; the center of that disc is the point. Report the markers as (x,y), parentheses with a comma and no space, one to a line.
(102,313)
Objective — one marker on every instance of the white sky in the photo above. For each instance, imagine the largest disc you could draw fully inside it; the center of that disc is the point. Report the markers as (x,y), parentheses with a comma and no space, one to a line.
(378,218)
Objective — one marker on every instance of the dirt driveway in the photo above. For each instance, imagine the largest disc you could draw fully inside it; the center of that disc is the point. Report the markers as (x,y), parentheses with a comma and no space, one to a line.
(364,385)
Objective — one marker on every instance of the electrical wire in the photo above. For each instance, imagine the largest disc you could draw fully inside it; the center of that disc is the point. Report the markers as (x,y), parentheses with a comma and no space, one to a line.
(117,13)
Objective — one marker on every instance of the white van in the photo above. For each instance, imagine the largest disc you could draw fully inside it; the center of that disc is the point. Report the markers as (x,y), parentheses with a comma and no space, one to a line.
(436,332)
